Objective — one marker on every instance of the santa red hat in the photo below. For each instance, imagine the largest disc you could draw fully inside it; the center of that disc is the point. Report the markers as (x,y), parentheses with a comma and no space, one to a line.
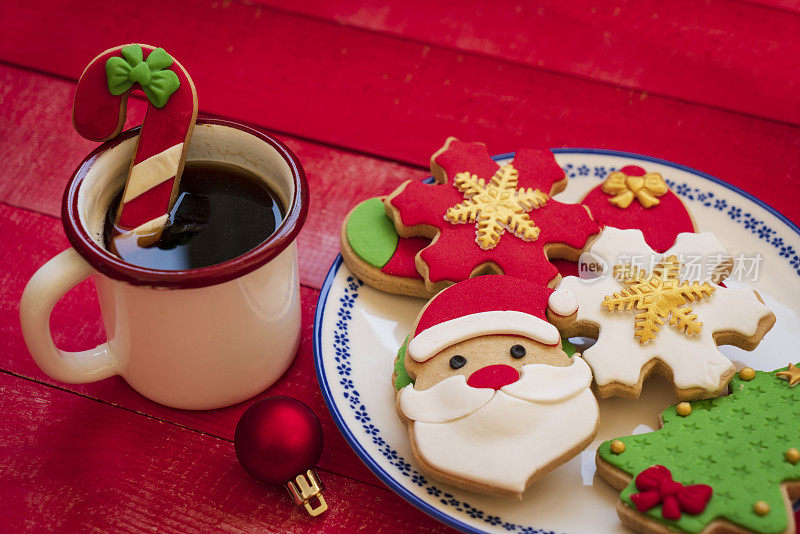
(487,305)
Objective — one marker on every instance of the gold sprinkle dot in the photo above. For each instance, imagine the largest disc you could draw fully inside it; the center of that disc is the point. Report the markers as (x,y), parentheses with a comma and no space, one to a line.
(617,447)
(747,374)
(761,508)
(684,409)
(793,456)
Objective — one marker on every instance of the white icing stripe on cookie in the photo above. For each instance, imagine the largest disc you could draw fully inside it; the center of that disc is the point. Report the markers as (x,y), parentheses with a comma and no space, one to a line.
(151,225)
(154,170)
(431,341)
(563,302)
(548,384)
(448,400)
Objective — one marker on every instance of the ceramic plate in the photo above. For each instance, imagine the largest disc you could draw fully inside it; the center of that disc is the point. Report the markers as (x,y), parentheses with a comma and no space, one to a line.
(358,330)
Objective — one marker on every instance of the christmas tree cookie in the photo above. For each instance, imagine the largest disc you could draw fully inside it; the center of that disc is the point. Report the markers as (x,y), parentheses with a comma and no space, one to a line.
(653,312)
(729,464)
(485,218)
(375,253)
(633,198)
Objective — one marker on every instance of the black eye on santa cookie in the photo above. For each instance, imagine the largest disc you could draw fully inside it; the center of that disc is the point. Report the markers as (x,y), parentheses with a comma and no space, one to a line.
(458,361)
(517,351)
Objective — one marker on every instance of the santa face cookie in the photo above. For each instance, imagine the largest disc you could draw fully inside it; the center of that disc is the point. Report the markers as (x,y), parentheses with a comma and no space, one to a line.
(634,199)
(495,402)
(375,253)
(729,464)
(485,218)
(654,312)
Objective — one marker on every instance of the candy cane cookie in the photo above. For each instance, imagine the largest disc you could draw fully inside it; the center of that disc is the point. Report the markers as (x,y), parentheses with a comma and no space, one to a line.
(99,114)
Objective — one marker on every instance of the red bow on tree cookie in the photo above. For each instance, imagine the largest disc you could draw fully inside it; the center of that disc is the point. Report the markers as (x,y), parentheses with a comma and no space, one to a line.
(657,487)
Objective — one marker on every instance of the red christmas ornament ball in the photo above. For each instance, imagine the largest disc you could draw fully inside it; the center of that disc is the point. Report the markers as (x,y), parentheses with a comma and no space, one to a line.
(278,438)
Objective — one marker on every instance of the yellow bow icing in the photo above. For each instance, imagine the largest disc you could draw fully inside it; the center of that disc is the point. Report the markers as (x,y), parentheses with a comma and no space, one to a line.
(625,188)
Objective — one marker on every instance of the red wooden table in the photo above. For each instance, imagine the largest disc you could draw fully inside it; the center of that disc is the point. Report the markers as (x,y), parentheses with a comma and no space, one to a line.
(363,92)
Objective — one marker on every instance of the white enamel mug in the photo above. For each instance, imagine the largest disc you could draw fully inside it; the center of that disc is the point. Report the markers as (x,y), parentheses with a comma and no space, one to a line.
(194,339)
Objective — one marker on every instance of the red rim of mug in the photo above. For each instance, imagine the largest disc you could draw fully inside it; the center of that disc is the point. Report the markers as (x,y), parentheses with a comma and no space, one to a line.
(113,267)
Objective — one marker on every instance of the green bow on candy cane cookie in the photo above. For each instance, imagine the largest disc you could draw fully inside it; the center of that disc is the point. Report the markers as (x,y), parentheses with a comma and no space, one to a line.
(152,74)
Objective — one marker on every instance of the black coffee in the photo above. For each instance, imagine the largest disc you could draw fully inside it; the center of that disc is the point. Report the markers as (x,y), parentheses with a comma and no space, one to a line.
(222,211)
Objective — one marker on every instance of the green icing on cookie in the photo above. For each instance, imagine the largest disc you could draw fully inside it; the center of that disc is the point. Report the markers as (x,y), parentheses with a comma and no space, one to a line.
(568,347)
(152,74)
(402,379)
(735,444)
(371,233)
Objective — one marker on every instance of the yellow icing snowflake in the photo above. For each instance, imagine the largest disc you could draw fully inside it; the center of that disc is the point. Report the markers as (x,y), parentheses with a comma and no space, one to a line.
(496,206)
(659,296)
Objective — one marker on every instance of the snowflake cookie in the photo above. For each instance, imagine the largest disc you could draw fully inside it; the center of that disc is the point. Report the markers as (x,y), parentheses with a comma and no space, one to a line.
(490,219)
(661,313)
(728,464)
(636,199)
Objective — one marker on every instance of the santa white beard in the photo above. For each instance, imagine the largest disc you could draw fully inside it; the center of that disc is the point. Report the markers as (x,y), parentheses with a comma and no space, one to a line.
(503,438)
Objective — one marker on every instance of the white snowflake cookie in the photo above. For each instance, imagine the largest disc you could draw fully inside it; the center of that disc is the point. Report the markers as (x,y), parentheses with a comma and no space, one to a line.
(661,313)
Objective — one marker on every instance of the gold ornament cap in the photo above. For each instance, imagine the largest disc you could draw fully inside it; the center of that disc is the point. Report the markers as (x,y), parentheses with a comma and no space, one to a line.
(306,489)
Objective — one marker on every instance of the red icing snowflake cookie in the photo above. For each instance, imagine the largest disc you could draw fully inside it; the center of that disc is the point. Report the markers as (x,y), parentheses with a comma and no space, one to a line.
(485,218)
(634,199)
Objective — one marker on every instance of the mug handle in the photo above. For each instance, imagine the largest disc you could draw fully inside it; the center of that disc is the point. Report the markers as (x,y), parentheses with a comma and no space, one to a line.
(45,288)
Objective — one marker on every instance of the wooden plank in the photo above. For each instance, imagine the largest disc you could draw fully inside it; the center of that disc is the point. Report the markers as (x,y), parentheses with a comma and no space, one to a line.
(29,239)
(719,53)
(71,464)
(398,99)
(39,150)
(791,6)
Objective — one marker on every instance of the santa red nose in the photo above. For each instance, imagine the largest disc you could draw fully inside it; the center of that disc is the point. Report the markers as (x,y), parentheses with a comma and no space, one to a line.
(493,376)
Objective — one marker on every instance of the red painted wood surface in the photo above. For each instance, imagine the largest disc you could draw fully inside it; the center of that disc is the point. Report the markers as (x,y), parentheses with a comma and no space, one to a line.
(792,6)
(749,62)
(73,464)
(398,98)
(363,93)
